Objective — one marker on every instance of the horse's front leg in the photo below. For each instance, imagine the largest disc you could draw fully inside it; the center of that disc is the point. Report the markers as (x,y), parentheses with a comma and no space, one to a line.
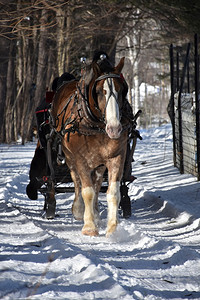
(88,194)
(113,199)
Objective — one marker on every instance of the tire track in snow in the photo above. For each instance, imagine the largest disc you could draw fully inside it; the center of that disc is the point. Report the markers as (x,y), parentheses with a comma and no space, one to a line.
(149,256)
(34,240)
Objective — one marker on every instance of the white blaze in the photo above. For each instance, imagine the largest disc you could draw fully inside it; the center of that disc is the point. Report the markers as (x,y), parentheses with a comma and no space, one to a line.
(112,109)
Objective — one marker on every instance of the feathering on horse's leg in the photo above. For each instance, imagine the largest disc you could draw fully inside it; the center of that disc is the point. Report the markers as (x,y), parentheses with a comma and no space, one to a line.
(89,228)
(78,206)
(113,199)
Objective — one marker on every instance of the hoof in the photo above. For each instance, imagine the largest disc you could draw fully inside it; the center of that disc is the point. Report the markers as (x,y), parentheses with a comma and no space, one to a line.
(50,211)
(78,212)
(111,230)
(78,217)
(48,216)
(90,232)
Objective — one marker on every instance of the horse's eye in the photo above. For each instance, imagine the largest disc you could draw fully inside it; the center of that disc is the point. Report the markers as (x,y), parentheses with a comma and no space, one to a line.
(98,91)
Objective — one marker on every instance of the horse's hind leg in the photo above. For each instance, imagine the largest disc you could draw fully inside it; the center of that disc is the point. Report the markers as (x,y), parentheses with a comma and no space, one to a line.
(78,204)
(97,179)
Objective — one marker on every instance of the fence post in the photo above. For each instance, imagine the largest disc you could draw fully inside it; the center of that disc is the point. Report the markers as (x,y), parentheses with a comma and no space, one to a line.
(188,76)
(196,58)
(172,102)
(180,148)
(177,72)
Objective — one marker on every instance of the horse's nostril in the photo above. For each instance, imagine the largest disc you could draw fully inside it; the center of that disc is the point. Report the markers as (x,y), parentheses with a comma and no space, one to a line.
(120,128)
(110,128)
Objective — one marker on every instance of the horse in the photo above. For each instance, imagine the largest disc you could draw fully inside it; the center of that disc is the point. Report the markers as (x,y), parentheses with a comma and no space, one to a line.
(91,116)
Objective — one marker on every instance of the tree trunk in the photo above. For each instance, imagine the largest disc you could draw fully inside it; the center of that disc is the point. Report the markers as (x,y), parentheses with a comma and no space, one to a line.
(68,42)
(60,17)
(4,50)
(27,113)
(9,96)
(42,60)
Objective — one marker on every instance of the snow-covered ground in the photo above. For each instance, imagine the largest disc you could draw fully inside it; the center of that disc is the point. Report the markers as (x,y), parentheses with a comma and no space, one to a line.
(155,254)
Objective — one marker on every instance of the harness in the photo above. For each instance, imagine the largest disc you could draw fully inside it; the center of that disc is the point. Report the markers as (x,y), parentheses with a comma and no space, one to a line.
(107,77)
(85,122)
(90,116)
(82,119)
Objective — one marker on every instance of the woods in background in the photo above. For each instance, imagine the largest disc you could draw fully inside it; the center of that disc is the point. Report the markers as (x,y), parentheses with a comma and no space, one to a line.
(41,39)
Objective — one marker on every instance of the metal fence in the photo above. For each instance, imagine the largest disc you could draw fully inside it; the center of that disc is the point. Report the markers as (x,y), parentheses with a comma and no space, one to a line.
(184,107)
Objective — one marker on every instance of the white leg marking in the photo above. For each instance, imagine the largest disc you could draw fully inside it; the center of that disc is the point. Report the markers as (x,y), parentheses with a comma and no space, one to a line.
(113,199)
(89,227)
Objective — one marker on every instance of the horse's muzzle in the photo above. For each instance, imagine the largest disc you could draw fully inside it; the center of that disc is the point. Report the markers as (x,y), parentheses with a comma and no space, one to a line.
(114,131)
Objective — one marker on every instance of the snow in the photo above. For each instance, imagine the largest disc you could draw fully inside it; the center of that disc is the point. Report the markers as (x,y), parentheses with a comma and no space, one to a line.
(155,254)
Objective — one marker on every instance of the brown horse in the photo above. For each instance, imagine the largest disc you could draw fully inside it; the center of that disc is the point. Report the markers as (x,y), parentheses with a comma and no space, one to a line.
(91,116)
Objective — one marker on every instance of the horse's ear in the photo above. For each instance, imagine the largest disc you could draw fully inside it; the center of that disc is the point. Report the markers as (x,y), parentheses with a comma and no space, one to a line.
(120,66)
(96,69)
(88,76)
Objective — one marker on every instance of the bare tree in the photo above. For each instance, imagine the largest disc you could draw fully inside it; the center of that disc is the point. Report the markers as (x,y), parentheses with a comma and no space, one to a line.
(40,39)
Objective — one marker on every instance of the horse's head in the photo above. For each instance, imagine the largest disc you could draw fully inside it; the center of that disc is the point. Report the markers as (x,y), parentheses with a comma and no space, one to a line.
(107,90)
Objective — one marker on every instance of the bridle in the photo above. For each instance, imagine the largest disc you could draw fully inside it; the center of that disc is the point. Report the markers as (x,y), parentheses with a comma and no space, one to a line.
(107,77)
(85,95)
(92,123)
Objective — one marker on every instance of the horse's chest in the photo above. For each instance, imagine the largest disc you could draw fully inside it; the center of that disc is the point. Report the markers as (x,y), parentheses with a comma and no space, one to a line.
(94,151)
(99,153)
